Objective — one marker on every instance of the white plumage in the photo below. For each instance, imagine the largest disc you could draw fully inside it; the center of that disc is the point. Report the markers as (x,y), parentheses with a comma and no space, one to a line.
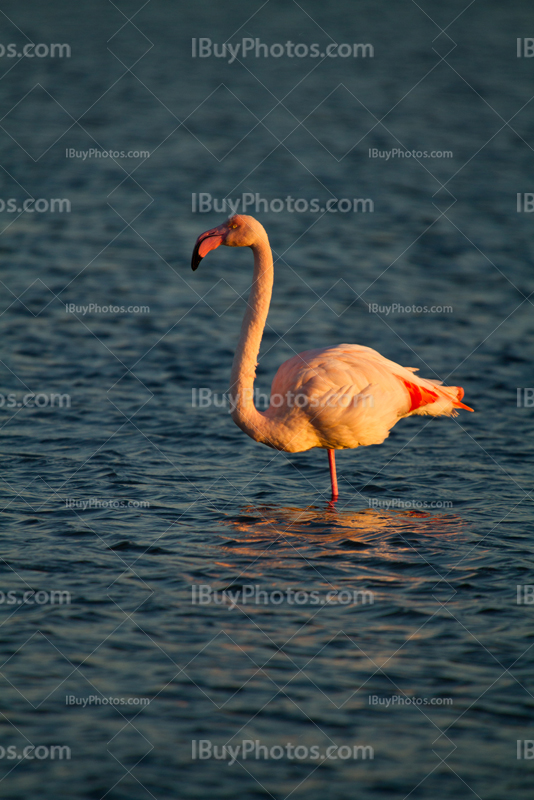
(355,396)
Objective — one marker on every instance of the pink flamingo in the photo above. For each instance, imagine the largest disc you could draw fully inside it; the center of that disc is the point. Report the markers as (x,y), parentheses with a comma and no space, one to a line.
(336,397)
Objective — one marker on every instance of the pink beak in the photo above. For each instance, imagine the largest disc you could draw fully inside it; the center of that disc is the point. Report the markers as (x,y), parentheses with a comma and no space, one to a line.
(207,241)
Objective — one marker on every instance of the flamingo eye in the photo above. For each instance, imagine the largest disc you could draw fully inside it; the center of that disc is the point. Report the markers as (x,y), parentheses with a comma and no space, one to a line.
(234,226)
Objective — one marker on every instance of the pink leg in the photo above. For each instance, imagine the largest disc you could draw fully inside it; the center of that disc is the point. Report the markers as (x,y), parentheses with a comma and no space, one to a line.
(333,477)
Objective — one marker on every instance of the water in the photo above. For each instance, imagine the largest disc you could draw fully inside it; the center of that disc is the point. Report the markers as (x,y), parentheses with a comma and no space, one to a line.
(208,505)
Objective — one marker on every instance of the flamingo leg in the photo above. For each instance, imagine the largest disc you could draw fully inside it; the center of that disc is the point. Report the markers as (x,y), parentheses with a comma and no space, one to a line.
(333,476)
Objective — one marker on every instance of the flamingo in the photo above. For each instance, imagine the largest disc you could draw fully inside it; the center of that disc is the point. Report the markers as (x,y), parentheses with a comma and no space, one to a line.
(337,397)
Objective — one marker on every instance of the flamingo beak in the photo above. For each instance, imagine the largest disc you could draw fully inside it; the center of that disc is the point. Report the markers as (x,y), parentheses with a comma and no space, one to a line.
(207,241)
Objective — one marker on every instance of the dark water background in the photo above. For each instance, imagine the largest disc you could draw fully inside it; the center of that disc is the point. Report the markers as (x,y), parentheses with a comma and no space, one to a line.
(219,508)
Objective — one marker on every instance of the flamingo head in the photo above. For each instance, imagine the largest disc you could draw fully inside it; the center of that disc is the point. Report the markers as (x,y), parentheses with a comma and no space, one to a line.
(239,230)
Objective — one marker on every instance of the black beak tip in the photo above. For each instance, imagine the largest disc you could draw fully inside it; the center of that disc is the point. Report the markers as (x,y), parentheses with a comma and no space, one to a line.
(195,259)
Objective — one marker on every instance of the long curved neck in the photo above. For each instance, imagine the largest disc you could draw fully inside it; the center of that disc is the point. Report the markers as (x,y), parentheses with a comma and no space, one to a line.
(244,412)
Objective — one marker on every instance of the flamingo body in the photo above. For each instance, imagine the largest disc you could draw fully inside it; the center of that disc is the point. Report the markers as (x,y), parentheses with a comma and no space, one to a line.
(337,397)
(354,396)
